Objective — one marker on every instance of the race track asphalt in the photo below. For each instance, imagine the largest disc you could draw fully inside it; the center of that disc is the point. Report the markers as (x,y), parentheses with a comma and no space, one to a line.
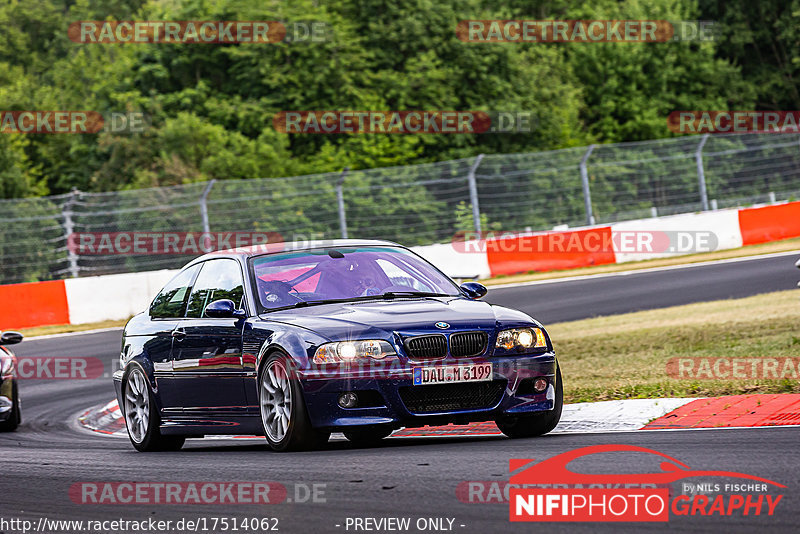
(404,477)
(556,301)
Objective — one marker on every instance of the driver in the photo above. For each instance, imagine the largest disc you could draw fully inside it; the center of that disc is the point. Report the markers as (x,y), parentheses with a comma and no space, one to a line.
(360,280)
(366,285)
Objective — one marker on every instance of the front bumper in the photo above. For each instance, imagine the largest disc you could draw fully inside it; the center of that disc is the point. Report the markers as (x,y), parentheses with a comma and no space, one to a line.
(386,390)
(118,386)
(6,397)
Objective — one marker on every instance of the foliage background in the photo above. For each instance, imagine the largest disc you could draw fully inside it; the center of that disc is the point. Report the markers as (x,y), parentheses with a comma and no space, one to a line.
(210,106)
(209,112)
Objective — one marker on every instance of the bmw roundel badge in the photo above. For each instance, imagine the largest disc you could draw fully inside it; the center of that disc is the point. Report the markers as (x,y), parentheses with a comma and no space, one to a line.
(442,325)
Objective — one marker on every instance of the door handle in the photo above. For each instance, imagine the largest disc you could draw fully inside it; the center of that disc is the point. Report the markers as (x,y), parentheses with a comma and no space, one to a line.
(178,334)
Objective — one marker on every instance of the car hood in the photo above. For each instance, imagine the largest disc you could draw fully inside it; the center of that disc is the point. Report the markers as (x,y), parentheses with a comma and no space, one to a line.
(346,320)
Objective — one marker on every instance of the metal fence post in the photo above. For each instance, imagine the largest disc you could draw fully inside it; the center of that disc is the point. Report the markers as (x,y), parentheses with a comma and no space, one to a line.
(587,194)
(701,175)
(340,202)
(204,207)
(473,194)
(69,226)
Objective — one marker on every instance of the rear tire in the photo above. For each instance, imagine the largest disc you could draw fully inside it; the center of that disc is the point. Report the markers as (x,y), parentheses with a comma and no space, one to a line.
(15,418)
(535,425)
(284,416)
(368,436)
(141,416)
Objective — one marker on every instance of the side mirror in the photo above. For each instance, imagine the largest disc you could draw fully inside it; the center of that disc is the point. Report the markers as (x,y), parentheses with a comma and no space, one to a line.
(10,338)
(798,266)
(223,309)
(474,290)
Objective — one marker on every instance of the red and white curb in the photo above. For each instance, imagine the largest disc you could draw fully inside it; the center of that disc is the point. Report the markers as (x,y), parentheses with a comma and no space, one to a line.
(580,418)
(736,411)
(104,419)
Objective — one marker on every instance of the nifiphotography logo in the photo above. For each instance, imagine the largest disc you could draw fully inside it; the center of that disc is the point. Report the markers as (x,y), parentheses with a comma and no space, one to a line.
(549,491)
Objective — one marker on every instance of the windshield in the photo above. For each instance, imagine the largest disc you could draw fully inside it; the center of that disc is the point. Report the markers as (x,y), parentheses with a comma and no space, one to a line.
(344,274)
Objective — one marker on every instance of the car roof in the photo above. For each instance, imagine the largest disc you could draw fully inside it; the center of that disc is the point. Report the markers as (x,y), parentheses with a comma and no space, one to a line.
(289,246)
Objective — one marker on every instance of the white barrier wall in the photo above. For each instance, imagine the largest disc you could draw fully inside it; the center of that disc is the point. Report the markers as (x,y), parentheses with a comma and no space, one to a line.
(112,297)
(724,224)
(454,263)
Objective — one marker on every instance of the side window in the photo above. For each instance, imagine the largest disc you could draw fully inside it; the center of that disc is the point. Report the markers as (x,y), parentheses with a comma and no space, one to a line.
(219,279)
(171,301)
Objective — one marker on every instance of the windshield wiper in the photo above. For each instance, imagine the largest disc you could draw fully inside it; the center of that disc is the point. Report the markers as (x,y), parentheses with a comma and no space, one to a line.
(306,303)
(395,294)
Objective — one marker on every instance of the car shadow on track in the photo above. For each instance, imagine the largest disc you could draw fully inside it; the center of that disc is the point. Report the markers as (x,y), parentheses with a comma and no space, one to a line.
(197,446)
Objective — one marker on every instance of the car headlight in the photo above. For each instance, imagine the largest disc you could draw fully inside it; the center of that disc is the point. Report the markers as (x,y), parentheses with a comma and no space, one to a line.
(521,339)
(347,351)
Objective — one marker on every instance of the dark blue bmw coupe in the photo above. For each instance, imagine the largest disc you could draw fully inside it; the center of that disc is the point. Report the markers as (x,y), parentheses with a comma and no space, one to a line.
(359,337)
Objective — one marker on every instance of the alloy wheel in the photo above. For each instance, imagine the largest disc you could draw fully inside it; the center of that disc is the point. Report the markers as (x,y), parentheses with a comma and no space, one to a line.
(137,406)
(276,400)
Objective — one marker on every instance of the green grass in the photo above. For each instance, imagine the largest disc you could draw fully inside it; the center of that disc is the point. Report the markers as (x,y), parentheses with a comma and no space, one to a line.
(625,356)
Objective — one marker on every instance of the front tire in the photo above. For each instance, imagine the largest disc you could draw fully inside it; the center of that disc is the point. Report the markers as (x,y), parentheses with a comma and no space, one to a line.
(141,416)
(535,425)
(284,417)
(15,418)
(368,436)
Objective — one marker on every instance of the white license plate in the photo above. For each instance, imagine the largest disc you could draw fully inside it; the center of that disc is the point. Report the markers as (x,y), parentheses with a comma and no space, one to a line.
(450,374)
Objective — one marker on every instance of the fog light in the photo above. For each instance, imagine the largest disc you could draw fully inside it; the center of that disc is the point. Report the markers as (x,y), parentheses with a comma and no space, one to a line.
(539,385)
(348,400)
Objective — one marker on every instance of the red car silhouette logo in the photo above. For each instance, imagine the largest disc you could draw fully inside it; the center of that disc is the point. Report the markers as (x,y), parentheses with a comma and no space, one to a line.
(555,471)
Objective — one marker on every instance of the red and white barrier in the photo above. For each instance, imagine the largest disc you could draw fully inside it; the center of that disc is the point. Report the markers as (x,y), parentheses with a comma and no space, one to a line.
(119,296)
(79,300)
(112,297)
(621,242)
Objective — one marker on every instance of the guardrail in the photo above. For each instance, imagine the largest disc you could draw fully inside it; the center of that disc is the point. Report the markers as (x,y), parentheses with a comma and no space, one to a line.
(413,204)
(118,296)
